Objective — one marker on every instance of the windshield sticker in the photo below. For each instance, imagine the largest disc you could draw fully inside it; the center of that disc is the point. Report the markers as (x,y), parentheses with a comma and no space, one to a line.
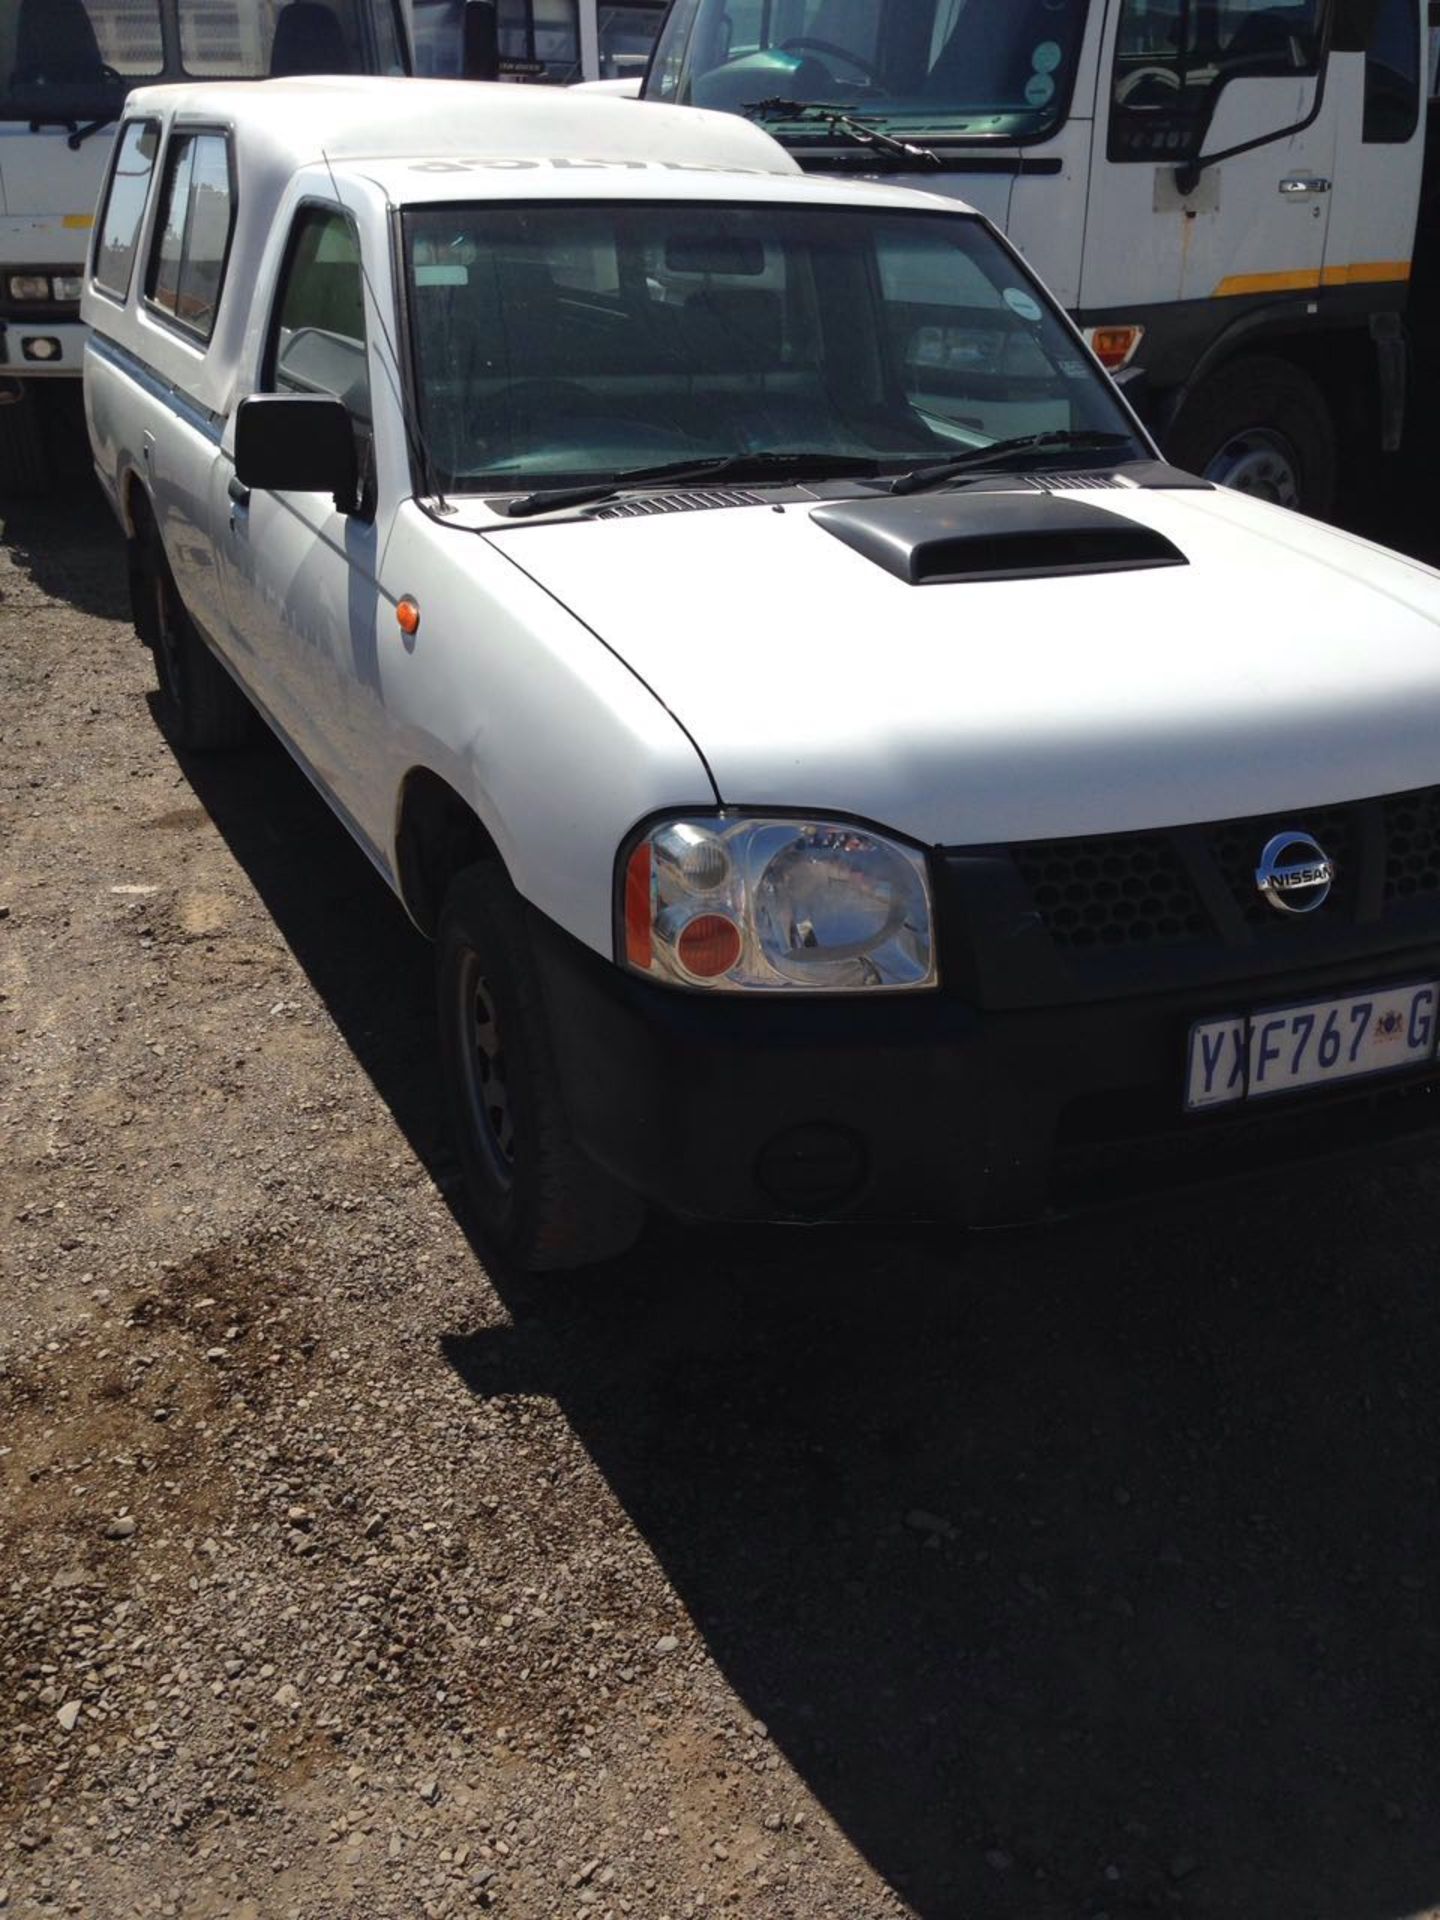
(1025,304)
(1046,57)
(1039,89)
(442,276)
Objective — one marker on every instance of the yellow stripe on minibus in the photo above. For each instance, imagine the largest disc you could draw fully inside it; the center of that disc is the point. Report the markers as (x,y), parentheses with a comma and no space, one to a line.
(1307,279)
(82,221)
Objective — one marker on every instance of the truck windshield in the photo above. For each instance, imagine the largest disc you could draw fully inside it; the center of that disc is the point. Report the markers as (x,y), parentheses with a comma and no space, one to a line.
(557,344)
(973,69)
(76,59)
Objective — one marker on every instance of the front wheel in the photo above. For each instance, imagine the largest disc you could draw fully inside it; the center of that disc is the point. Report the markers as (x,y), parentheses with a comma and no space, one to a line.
(1262,427)
(540,1203)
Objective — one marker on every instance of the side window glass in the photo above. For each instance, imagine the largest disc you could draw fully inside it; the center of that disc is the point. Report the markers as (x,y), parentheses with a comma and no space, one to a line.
(1392,72)
(668,59)
(318,340)
(1171,65)
(187,266)
(125,206)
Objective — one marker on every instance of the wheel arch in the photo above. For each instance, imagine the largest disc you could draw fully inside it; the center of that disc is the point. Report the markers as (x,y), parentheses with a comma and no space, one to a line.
(1341,360)
(438,834)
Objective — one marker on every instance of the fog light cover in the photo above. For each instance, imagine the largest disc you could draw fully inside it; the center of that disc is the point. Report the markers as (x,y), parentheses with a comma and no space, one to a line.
(40,347)
(766,904)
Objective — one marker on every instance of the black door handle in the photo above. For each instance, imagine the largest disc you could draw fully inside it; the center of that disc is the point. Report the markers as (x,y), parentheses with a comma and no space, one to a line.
(238,492)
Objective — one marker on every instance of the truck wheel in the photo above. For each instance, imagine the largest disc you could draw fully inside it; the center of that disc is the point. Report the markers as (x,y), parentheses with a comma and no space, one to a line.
(1262,427)
(540,1203)
(26,467)
(200,705)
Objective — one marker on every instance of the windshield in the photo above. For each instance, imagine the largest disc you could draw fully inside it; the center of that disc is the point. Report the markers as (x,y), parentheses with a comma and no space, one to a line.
(975,69)
(77,59)
(555,345)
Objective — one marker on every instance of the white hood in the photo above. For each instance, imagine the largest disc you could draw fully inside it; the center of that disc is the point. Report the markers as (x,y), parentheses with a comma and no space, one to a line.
(1285,666)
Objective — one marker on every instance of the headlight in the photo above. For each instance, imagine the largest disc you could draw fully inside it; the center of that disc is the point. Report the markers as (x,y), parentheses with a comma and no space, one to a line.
(67,286)
(29,286)
(745,905)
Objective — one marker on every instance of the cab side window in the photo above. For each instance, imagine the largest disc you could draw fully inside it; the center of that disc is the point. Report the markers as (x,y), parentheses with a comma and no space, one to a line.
(129,189)
(192,238)
(1392,73)
(1171,63)
(317,339)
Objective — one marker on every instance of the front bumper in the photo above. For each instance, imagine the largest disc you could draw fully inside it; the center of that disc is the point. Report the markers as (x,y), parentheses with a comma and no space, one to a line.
(925,1107)
(21,339)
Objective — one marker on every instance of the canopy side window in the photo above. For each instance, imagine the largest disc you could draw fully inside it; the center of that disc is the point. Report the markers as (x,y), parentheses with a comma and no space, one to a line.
(118,230)
(192,236)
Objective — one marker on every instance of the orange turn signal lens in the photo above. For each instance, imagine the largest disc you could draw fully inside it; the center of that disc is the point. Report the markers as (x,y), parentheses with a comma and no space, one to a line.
(709,945)
(407,616)
(1114,347)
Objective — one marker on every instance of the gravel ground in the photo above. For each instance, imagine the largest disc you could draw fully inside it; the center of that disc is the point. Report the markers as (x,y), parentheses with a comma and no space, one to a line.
(1077,1574)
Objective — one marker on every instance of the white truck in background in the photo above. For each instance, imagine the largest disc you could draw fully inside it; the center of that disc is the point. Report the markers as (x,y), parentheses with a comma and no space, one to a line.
(65,69)
(555,42)
(1224,193)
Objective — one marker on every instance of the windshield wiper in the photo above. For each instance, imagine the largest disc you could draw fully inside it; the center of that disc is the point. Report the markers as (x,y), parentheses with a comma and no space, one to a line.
(939,471)
(840,122)
(728,466)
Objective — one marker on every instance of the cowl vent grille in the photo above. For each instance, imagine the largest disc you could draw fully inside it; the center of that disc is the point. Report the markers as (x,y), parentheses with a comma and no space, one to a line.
(1080,482)
(693,501)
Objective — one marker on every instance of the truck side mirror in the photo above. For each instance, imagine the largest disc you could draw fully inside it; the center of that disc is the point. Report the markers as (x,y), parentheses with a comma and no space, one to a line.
(480,41)
(297,443)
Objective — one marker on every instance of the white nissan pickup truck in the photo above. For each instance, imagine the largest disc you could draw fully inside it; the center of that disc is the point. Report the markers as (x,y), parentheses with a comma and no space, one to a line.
(845,772)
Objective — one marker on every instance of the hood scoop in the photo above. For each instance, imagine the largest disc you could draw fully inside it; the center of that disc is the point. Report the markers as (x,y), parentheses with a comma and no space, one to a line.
(930,541)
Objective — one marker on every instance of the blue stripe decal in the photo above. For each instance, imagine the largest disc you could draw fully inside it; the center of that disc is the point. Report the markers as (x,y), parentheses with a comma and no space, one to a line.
(210,425)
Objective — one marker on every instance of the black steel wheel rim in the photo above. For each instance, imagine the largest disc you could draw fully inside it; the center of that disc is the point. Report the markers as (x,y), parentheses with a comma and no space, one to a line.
(484,1074)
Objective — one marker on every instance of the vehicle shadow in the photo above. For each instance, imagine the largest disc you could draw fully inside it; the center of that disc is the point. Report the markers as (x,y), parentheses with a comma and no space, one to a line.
(68,544)
(1079,1573)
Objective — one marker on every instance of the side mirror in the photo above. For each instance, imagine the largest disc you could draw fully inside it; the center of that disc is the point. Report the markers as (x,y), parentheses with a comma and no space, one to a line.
(480,41)
(297,443)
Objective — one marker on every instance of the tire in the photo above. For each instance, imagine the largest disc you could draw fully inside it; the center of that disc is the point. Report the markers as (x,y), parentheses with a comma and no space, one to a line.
(1263,427)
(27,469)
(540,1204)
(201,708)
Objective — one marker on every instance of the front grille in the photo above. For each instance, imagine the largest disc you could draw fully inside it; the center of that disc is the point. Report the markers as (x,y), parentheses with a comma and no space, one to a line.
(1193,884)
(696,500)
(1126,890)
(1048,921)
(1412,844)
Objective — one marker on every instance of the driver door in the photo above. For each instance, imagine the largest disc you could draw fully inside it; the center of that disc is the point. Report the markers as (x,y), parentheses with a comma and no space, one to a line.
(300,574)
(1223,74)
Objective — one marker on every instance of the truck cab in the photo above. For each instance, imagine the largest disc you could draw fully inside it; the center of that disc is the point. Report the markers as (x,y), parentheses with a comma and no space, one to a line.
(1223,192)
(65,69)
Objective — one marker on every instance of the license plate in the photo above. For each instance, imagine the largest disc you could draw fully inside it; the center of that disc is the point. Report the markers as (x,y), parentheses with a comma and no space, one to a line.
(1284,1049)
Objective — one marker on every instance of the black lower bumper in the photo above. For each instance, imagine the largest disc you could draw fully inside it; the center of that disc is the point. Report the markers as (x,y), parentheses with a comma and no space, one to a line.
(925,1108)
